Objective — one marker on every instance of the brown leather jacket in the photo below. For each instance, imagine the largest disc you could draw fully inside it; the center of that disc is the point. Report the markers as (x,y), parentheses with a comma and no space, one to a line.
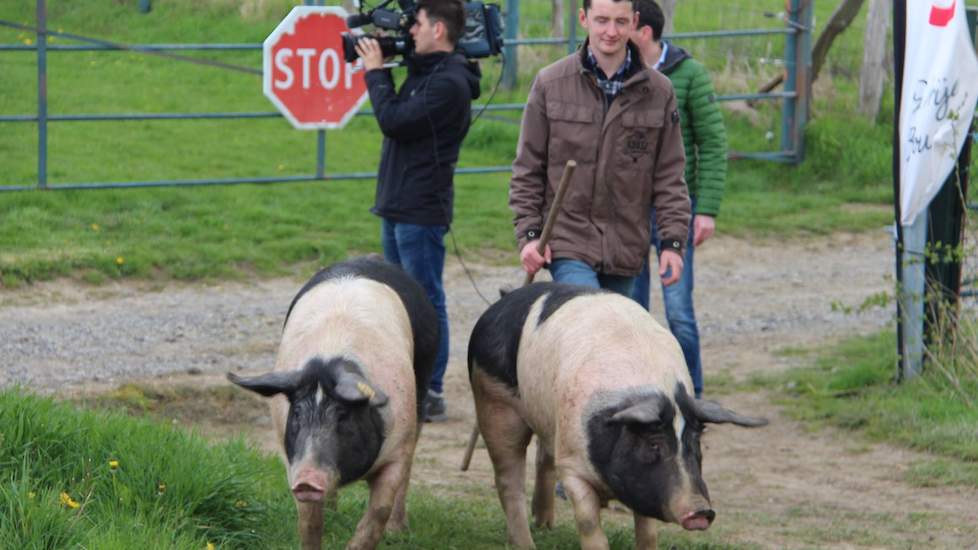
(629,158)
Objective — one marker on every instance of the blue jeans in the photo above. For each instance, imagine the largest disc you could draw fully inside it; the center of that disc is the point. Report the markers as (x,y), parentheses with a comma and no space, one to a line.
(420,251)
(678,301)
(576,272)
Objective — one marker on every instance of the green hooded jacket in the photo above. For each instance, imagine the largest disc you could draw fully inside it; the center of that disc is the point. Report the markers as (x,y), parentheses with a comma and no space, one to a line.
(704,135)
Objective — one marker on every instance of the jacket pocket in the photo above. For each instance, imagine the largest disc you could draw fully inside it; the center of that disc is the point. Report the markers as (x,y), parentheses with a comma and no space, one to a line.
(574,133)
(639,140)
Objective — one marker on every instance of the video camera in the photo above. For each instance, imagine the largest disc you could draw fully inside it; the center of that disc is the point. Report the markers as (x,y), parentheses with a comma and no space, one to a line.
(483,35)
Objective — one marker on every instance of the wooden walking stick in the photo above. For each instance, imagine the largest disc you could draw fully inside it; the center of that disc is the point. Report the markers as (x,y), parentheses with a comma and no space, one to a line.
(548,228)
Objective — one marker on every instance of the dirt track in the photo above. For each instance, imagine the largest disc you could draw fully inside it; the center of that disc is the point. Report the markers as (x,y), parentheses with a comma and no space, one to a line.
(781,486)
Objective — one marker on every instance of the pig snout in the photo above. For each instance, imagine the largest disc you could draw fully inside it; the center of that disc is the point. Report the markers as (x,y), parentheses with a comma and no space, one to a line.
(310,485)
(698,520)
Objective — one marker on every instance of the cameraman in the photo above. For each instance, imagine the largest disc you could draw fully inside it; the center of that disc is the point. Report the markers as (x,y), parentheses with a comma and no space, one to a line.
(424,124)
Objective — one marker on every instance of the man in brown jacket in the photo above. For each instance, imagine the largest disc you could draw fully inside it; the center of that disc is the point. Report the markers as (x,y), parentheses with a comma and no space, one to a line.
(603,108)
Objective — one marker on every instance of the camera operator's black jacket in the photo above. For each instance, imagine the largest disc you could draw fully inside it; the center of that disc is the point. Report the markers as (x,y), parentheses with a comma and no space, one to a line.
(424,124)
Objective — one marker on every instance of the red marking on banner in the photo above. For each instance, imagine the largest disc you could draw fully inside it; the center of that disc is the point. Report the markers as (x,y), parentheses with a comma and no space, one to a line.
(940,17)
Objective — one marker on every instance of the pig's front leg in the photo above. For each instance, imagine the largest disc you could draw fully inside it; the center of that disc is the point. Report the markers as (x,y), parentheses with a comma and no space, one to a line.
(646,535)
(383,490)
(398,520)
(310,524)
(587,513)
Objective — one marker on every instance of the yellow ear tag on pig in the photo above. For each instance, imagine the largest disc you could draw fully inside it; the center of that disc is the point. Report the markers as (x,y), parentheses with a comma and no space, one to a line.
(366,390)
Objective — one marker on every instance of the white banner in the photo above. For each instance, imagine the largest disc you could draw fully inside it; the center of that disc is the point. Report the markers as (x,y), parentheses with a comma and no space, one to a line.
(940,86)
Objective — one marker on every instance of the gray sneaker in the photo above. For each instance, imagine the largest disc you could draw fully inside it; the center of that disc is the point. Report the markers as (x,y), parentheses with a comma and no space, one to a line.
(434,407)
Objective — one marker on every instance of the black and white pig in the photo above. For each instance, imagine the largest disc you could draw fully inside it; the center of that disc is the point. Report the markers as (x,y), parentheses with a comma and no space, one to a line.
(606,391)
(353,367)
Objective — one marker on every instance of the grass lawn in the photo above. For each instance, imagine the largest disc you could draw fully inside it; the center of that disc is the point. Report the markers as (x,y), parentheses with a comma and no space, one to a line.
(852,386)
(100,479)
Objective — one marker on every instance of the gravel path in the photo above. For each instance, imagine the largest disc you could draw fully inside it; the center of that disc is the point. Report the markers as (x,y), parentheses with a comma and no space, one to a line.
(60,334)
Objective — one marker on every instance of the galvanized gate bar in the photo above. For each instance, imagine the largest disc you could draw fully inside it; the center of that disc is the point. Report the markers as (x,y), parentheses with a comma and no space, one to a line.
(235,181)
(139,116)
(510,51)
(276,114)
(42,95)
(798,61)
(257,47)
(127,47)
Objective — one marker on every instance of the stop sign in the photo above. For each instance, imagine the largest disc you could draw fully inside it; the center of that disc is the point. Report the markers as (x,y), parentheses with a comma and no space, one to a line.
(304,73)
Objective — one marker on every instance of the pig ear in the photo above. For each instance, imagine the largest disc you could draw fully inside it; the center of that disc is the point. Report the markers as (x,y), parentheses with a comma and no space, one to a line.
(647,411)
(268,384)
(356,389)
(708,411)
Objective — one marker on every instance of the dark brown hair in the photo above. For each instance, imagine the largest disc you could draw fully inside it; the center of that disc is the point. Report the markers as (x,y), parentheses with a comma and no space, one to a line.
(650,14)
(587,3)
(450,12)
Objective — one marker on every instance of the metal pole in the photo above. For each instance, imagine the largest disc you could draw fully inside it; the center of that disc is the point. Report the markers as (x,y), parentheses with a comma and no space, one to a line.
(42,95)
(320,134)
(571,26)
(803,80)
(321,154)
(511,67)
(911,296)
(899,31)
(788,109)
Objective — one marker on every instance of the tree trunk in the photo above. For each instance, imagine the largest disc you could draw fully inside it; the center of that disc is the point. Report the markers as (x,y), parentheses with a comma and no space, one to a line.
(669,10)
(557,18)
(873,73)
(839,21)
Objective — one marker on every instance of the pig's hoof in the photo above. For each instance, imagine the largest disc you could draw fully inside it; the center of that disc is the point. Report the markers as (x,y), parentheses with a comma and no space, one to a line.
(396,526)
(545,522)
(522,545)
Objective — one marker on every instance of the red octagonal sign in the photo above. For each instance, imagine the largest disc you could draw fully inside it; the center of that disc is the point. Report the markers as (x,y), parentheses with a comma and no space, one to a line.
(304,73)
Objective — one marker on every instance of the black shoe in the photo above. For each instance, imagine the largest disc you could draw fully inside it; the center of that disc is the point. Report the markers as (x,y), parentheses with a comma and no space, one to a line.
(434,407)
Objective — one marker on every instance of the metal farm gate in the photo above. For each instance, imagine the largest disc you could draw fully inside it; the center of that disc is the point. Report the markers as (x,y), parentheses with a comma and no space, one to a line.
(796,62)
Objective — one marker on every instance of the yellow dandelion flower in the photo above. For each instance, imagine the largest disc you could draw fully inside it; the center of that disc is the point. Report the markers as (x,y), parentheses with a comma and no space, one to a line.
(161,488)
(119,260)
(95,227)
(113,464)
(241,503)
(210,546)
(28,41)
(66,500)
(31,495)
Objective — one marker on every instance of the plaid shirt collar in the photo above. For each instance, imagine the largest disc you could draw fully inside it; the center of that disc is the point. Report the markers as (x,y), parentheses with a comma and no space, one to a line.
(611,86)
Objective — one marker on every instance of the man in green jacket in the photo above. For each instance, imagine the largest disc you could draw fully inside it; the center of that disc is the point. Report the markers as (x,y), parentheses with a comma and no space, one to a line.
(705,143)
